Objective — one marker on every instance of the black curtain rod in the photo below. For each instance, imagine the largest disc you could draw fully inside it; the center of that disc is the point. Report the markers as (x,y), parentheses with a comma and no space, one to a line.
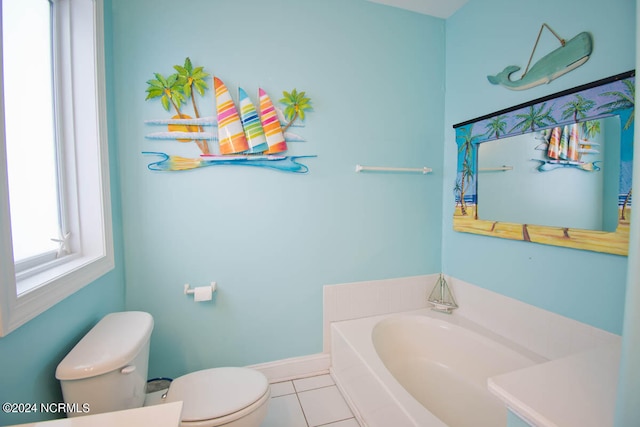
(600,82)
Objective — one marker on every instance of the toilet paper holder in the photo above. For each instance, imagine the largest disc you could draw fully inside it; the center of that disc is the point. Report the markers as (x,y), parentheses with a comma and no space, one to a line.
(189,291)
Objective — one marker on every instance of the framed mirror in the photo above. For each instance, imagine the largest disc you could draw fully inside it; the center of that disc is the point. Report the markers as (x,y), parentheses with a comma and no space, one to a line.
(556,170)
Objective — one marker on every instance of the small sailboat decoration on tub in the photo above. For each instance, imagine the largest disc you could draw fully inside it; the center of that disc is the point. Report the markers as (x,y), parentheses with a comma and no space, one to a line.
(441,297)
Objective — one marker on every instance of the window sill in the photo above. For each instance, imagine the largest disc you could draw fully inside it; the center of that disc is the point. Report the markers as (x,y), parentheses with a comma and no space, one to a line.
(45,289)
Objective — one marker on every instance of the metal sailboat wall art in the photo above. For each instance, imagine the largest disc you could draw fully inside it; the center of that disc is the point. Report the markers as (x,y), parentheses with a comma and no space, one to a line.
(251,124)
(271,124)
(245,136)
(569,56)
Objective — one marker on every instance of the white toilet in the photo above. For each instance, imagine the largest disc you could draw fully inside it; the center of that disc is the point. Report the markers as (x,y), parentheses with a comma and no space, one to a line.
(107,371)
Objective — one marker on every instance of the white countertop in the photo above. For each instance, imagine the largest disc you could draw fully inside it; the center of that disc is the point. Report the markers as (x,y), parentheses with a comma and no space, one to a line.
(165,415)
(574,391)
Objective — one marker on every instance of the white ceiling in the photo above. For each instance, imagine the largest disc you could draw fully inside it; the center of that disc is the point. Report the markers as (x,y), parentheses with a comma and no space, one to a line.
(438,8)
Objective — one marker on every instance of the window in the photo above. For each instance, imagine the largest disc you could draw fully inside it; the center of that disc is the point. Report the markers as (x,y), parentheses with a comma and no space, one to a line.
(31,155)
(55,214)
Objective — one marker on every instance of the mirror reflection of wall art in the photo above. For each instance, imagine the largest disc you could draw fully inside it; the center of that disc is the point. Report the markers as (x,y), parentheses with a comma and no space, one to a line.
(556,170)
(243,135)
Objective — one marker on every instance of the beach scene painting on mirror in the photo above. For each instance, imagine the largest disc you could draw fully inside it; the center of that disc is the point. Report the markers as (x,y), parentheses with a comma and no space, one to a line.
(235,134)
(563,130)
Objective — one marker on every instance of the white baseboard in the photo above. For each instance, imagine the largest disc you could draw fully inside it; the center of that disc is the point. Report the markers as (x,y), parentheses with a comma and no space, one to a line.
(295,367)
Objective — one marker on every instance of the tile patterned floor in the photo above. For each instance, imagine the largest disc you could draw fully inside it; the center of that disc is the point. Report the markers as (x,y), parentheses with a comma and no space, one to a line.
(308,402)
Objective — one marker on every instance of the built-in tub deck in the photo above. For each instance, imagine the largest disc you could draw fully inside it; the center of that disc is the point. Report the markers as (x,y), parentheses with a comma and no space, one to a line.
(423,369)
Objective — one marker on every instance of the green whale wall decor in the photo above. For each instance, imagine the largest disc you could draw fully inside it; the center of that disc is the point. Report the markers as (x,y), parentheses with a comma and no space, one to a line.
(570,56)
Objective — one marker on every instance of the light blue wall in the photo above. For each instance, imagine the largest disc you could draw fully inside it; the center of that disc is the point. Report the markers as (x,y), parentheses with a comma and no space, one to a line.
(271,240)
(482,38)
(30,354)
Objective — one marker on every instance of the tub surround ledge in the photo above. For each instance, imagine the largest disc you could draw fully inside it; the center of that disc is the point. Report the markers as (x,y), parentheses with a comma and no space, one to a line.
(572,384)
(573,391)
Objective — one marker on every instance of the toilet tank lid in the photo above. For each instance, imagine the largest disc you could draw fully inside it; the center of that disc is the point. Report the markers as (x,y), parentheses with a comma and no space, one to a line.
(111,344)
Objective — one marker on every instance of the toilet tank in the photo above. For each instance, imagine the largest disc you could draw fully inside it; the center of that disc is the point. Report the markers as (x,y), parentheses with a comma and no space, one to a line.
(107,370)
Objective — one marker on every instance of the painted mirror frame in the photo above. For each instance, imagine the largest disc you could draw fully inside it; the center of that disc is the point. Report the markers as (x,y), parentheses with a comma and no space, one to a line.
(613,96)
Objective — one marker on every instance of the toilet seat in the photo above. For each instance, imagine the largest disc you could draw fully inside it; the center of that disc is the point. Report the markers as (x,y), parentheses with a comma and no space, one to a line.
(219,395)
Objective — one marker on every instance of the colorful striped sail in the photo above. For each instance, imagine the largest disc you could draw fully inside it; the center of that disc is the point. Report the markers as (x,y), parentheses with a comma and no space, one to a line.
(230,133)
(564,144)
(251,124)
(572,151)
(271,124)
(554,144)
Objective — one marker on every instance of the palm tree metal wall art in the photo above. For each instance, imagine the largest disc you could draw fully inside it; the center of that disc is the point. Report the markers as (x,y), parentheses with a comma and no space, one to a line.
(180,88)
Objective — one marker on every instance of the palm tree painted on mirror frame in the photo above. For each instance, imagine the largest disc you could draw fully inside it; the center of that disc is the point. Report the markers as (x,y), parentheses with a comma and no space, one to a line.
(534,118)
(627,199)
(497,126)
(296,105)
(625,101)
(465,148)
(457,190)
(577,108)
(193,79)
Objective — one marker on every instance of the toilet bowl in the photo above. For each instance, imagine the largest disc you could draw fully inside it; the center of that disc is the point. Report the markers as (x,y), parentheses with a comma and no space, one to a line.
(207,406)
(107,371)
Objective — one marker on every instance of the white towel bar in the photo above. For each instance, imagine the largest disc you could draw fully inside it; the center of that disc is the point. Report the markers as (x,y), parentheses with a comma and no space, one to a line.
(501,168)
(360,168)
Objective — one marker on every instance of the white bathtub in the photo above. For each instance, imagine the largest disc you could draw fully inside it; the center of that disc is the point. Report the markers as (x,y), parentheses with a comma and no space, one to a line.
(422,369)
